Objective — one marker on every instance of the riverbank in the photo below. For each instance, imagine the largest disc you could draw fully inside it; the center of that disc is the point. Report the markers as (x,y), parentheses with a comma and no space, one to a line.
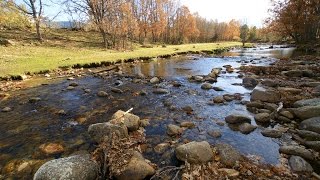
(65,50)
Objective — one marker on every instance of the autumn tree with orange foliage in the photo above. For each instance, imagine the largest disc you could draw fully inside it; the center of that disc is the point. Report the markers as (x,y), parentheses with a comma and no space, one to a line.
(297,19)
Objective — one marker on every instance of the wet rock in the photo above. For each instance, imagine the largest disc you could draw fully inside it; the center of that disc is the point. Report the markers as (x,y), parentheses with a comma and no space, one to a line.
(264,95)
(228,155)
(74,167)
(292,73)
(230,172)
(160,91)
(206,86)
(313,145)
(188,125)
(143,93)
(270,106)
(34,100)
(74,84)
(87,91)
(136,169)
(298,164)
(273,133)
(228,97)
(286,90)
(297,151)
(237,118)
(283,119)
(262,117)
(287,114)
(217,88)
(195,152)
(51,148)
(141,75)
(70,88)
(154,80)
(247,128)
(116,90)
(218,99)
(255,104)
(161,148)
(188,109)
(131,121)
(103,131)
(220,123)
(118,83)
(216,71)
(215,133)
(307,112)
(229,69)
(307,102)
(198,78)
(173,130)
(269,83)
(6,109)
(249,82)
(309,135)
(102,94)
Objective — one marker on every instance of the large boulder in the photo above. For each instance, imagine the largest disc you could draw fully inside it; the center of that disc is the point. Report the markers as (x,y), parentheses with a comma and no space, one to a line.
(237,118)
(307,112)
(228,155)
(298,164)
(260,94)
(247,128)
(136,169)
(262,117)
(131,121)
(307,102)
(195,152)
(74,167)
(102,132)
(312,124)
(273,133)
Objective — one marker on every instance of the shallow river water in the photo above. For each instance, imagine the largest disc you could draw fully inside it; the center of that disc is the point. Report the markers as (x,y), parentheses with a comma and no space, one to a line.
(29,125)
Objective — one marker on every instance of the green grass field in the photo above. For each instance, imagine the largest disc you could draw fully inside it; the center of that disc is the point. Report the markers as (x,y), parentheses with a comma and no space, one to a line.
(67,50)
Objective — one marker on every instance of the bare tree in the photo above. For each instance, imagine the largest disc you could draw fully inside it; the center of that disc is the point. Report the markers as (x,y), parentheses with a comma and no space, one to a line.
(33,8)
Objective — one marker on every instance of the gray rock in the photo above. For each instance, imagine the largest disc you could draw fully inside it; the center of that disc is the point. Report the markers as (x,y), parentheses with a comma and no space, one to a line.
(154,80)
(262,117)
(298,164)
(131,121)
(269,83)
(198,78)
(255,104)
(215,133)
(286,90)
(160,91)
(173,130)
(307,102)
(102,94)
(70,88)
(273,133)
(187,124)
(218,99)
(116,90)
(74,84)
(264,111)
(249,82)
(264,95)
(217,88)
(315,145)
(74,167)
(292,73)
(270,106)
(307,112)
(297,151)
(34,99)
(228,155)
(136,169)
(283,119)
(195,152)
(312,124)
(287,114)
(309,135)
(206,86)
(103,131)
(246,128)
(237,118)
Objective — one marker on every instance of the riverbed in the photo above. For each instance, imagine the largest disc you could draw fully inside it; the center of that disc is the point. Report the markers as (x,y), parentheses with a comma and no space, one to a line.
(61,115)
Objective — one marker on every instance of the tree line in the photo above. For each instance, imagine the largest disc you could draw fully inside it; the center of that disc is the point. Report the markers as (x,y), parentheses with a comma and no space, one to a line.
(121,22)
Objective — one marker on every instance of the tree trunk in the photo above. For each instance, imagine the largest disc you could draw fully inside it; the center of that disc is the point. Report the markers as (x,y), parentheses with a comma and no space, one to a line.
(39,35)
(104,37)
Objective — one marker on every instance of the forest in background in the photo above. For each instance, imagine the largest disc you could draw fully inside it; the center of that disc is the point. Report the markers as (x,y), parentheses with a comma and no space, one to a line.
(122,22)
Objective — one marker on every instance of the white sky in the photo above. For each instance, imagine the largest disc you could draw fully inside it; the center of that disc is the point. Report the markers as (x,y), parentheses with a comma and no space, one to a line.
(251,11)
